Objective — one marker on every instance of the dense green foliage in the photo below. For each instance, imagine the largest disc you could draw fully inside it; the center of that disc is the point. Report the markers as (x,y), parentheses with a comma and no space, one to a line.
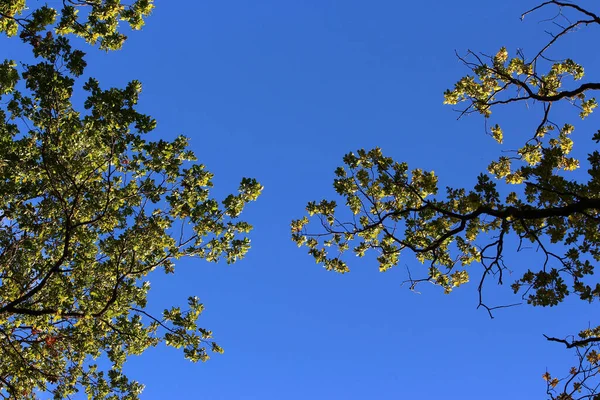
(99,24)
(88,208)
(534,196)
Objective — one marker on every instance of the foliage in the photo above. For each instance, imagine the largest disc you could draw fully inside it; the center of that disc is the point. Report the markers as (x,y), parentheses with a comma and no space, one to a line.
(390,209)
(88,208)
(99,23)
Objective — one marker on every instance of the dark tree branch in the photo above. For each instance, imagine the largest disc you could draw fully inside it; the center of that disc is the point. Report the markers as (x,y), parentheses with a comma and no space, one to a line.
(574,343)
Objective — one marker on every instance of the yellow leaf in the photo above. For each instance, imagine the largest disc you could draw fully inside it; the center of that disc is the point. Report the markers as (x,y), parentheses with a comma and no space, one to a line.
(546,376)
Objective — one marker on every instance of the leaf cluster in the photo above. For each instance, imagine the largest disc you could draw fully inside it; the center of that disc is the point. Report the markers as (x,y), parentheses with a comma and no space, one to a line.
(96,21)
(529,198)
(89,207)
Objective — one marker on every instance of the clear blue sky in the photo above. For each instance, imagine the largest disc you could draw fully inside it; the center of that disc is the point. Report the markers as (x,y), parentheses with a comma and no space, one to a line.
(280,91)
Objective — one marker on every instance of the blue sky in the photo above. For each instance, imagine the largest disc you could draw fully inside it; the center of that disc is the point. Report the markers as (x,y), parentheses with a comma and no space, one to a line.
(280,91)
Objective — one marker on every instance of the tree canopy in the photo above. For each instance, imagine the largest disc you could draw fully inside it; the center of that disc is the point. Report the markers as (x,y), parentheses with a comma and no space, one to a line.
(537,195)
(96,21)
(89,207)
